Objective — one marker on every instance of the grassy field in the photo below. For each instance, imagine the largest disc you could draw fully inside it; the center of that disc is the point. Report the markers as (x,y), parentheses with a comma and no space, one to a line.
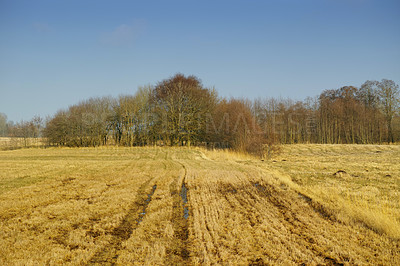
(313,204)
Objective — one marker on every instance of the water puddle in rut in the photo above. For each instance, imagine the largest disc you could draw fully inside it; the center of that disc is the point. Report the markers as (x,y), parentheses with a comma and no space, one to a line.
(146,203)
(183,193)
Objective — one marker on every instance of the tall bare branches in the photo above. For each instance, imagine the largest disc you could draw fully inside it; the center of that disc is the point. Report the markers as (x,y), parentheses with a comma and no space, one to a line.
(181,111)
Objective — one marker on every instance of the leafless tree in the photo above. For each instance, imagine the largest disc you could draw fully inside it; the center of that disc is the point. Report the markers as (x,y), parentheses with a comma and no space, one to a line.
(388,92)
(3,125)
(181,105)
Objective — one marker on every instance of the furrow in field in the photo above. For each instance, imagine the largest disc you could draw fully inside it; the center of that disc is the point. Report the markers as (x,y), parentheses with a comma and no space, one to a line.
(300,232)
(162,237)
(307,230)
(109,254)
(244,216)
(177,252)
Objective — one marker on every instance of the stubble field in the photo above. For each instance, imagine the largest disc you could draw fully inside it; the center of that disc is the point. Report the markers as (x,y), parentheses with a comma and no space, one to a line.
(313,204)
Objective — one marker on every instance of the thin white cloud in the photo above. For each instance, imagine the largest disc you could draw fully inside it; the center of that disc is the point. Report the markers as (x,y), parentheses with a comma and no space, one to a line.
(123,35)
(41,27)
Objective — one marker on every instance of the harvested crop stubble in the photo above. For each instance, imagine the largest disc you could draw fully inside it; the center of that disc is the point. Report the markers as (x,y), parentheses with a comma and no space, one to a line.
(127,206)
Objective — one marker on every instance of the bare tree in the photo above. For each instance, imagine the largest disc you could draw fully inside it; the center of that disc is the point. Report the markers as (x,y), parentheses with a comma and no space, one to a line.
(83,124)
(235,126)
(180,111)
(181,105)
(3,125)
(131,117)
(388,92)
(371,115)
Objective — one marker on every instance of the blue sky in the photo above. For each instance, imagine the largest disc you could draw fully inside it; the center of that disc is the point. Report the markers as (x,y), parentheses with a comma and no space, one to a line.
(56,53)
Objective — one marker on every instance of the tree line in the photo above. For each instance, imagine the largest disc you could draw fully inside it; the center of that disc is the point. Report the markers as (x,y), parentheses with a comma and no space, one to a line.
(181,111)
(348,115)
(23,129)
(176,111)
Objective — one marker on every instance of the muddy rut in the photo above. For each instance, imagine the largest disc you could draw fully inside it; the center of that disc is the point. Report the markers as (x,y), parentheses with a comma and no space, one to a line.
(178,253)
(243,217)
(109,254)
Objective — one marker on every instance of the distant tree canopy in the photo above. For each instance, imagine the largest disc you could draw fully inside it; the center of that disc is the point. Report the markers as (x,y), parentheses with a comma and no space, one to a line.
(181,111)
(176,111)
(82,125)
(181,108)
(22,129)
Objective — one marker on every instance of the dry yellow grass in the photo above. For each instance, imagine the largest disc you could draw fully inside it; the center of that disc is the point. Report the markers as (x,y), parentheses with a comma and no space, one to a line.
(355,183)
(125,206)
(8,143)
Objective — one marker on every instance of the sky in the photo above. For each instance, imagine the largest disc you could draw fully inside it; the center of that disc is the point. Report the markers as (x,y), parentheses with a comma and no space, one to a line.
(56,53)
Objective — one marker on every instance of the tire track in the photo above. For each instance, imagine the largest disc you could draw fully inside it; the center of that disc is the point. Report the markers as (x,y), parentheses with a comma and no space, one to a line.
(109,254)
(297,227)
(317,207)
(178,253)
(245,198)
